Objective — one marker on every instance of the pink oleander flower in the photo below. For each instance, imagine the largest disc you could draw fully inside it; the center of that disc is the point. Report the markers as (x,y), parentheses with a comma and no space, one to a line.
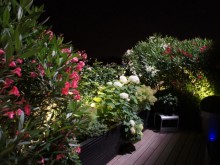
(50,34)
(74,75)
(20,61)
(8,82)
(65,91)
(12,64)
(82,64)
(60,156)
(74,84)
(14,91)
(41,69)
(203,48)
(74,59)
(66,50)
(10,114)
(67,84)
(75,92)
(27,109)
(33,61)
(41,161)
(33,74)
(2,52)
(19,112)
(77,97)
(17,71)
(84,56)
(78,149)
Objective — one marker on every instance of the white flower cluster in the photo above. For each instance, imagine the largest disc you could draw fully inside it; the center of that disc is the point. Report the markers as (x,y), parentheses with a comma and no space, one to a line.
(129,51)
(118,84)
(123,79)
(134,79)
(136,128)
(151,69)
(164,46)
(124,96)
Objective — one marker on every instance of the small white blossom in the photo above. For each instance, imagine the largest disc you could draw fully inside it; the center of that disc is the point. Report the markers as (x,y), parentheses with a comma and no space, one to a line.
(134,79)
(109,83)
(92,105)
(132,129)
(132,123)
(123,80)
(53,53)
(68,115)
(129,51)
(140,126)
(124,96)
(118,84)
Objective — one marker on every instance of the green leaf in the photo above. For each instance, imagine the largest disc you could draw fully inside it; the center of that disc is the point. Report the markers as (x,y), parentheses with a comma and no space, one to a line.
(97,99)
(18,40)
(6,17)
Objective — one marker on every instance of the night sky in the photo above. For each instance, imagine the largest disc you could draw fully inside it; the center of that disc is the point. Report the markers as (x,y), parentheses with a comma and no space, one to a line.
(108,28)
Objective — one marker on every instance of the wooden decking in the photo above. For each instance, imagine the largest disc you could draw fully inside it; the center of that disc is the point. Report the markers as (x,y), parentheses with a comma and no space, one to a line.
(157,148)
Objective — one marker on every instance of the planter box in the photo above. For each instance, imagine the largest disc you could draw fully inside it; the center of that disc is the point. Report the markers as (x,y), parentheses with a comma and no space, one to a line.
(100,150)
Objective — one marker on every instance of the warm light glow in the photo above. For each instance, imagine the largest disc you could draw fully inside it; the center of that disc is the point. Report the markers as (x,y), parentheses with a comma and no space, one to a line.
(200,87)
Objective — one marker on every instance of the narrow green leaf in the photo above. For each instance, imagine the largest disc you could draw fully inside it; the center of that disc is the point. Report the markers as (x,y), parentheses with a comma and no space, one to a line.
(6,16)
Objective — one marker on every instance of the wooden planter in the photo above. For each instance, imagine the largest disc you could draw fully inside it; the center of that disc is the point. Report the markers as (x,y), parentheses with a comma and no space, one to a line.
(100,150)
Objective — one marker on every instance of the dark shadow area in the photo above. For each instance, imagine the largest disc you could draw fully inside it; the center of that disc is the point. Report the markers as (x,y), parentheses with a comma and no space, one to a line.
(211,104)
(126,148)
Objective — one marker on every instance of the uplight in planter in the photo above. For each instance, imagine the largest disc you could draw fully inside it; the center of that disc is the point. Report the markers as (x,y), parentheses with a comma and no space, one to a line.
(212,136)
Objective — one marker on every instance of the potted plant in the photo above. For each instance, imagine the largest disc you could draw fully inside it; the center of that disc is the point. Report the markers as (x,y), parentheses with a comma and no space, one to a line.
(166,103)
(210,122)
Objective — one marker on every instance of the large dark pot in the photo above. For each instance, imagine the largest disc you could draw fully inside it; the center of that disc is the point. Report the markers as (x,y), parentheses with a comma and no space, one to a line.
(210,121)
(144,115)
(100,150)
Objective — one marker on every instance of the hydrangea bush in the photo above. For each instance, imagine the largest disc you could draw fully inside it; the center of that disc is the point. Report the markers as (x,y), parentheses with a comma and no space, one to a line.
(120,101)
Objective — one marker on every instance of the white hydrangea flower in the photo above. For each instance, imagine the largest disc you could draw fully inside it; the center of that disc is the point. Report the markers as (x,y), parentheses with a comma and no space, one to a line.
(109,83)
(118,84)
(134,79)
(124,96)
(123,80)
(92,105)
(132,129)
(140,126)
(132,123)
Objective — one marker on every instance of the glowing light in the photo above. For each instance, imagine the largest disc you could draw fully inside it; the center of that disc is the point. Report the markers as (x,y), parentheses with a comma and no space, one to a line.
(212,136)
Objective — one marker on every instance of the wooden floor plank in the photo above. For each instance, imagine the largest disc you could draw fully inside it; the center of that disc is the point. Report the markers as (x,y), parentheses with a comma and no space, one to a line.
(147,135)
(177,148)
(149,151)
(162,145)
(158,148)
(141,149)
(194,152)
(169,147)
(183,156)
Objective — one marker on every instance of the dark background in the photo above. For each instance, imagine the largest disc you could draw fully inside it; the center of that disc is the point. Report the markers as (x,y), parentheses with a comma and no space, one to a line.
(106,29)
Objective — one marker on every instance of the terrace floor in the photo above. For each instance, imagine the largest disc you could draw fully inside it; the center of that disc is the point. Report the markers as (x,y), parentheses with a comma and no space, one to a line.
(158,148)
